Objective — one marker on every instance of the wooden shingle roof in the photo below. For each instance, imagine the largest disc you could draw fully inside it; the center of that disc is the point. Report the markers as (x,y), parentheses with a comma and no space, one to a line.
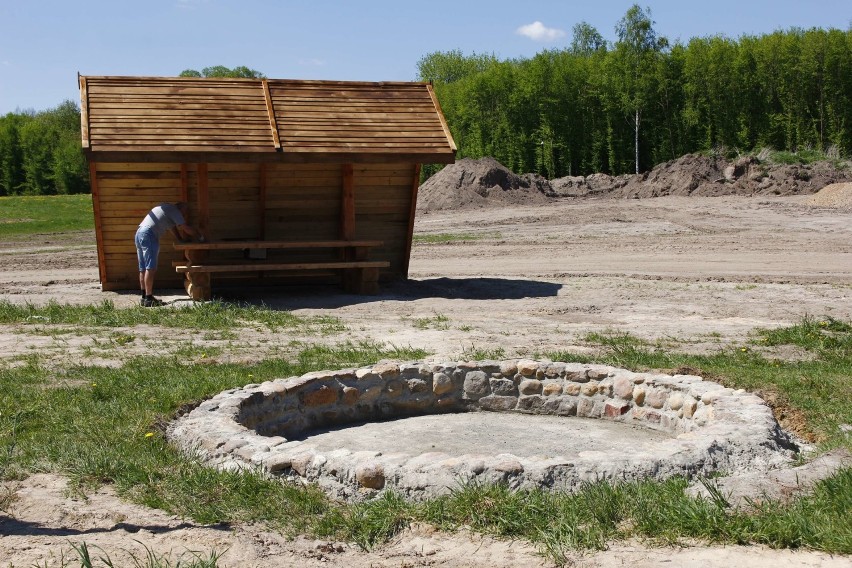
(195,119)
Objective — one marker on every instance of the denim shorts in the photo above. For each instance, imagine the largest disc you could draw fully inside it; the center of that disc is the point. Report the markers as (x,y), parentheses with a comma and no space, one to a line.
(147,249)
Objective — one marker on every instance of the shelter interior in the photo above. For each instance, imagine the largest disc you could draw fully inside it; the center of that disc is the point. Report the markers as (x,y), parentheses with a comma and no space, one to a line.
(284,177)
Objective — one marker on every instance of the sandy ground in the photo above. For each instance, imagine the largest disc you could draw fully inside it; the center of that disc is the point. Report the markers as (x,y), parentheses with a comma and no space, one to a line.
(693,274)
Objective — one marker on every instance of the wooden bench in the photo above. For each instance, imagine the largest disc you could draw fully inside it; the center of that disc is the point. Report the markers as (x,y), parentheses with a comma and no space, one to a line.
(360,275)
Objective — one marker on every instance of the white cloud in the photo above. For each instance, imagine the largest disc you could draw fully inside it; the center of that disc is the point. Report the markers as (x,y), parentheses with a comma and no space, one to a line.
(537,31)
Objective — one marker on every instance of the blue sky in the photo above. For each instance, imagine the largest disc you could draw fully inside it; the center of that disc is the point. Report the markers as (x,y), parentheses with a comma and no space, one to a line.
(43,44)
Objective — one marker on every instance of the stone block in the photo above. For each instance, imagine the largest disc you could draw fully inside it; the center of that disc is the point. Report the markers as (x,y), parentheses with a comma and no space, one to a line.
(319,397)
(508,368)
(394,388)
(676,401)
(656,398)
(417,385)
(476,385)
(498,403)
(561,405)
(623,387)
(441,384)
(572,389)
(533,403)
(530,387)
(589,389)
(301,462)
(581,376)
(527,368)
(371,393)
(277,462)
(503,387)
(350,395)
(598,374)
(613,409)
(386,370)
(370,475)
(586,408)
(552,388)
(689,407)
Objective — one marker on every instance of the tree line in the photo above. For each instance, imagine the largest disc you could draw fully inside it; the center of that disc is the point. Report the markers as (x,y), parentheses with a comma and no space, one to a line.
(625,106)
(41,152)
(593,106)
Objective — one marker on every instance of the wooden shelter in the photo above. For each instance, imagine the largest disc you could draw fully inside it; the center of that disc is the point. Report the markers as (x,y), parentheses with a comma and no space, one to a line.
(289,179)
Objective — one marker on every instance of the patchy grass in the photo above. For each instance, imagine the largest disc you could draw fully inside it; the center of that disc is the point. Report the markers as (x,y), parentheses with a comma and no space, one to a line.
(810,397)
(443,238)
(105,425)
(438,321)
(207,316)
(26,215)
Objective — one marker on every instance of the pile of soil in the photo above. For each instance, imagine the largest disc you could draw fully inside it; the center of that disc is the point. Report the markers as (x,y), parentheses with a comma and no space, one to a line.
(480,183)
(486,183)
(836,195)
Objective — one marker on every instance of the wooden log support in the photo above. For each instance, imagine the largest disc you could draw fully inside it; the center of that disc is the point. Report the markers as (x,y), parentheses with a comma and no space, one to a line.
(99,230)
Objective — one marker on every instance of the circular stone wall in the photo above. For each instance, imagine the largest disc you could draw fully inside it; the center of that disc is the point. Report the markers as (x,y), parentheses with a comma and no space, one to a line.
(700,427)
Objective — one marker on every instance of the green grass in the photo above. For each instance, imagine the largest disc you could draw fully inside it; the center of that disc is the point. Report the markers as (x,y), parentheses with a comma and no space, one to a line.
(442,238)
(208,316)
(25,215)
(438,321)
(104,425)
(814,395)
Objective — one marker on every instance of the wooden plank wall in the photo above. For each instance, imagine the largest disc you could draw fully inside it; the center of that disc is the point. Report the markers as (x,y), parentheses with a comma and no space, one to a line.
(253,201)
(126,192)
(383,194)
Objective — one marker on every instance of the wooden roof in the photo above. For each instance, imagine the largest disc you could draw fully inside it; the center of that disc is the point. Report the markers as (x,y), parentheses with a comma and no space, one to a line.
(200,119)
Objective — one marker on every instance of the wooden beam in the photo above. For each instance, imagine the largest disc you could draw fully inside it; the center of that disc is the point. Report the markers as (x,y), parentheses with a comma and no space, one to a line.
(84,111)
(203,201)
(441,118)
(184,183)
(347,207)
(262,202)
(270,109)
(412,211)
(99,234)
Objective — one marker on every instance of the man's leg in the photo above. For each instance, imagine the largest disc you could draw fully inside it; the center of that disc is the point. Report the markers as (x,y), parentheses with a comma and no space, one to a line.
(148,281)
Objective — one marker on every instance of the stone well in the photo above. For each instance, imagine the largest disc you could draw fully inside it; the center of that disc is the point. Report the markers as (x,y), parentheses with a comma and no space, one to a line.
(698,427)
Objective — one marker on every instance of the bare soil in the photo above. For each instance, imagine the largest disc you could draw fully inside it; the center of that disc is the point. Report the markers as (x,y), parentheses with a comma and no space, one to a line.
(692,273)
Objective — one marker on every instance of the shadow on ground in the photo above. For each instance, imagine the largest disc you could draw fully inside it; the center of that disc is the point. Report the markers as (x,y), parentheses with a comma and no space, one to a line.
(296,297)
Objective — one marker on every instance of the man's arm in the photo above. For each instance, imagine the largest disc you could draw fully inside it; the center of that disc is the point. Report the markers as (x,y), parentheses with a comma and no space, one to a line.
(185,232)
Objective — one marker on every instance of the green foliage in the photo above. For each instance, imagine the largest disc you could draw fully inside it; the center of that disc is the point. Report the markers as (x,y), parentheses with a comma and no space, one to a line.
(575,111)
(240,71)
(41,153)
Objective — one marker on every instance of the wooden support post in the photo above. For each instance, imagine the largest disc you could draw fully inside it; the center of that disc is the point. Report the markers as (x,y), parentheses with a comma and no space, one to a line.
(261,203)
(347,225)
(99,229)
(203,201)
(84,111)
(184,183)
(347,209)
(411,213)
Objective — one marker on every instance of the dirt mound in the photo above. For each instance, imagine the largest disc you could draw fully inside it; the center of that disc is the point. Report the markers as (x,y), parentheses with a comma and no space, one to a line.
(480,183)
(487,183)
(837,195)
(695,174)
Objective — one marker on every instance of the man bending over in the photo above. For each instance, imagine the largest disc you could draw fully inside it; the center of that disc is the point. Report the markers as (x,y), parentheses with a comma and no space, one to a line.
(164,217)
